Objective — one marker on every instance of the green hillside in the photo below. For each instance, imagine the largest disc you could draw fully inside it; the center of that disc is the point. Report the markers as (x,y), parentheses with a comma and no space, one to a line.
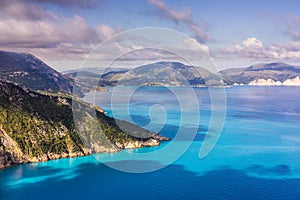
(36,127)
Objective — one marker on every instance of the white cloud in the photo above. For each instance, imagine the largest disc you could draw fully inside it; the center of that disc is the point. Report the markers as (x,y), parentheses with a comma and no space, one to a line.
(105,31)
(252,48)
(253,43)
(195,45)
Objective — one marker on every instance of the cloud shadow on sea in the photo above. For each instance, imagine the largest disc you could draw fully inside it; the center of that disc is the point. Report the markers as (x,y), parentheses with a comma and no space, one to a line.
(95,180)
(171,131)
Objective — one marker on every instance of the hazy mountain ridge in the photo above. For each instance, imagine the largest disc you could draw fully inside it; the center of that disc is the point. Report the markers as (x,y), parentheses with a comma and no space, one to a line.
(165,73)
(178,74)
(155,74)
(28,71)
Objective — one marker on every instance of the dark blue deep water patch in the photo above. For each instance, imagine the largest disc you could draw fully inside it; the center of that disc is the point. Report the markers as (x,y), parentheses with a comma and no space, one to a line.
(96,181)
(140,120)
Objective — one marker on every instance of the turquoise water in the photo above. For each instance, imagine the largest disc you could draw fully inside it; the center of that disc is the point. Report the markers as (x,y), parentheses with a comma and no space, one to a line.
(256,157)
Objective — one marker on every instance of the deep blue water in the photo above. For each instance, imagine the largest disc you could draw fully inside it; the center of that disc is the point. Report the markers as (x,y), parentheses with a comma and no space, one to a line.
(256,157)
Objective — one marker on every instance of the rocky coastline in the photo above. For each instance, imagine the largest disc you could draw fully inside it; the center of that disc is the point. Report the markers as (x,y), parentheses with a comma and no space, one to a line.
(11,154)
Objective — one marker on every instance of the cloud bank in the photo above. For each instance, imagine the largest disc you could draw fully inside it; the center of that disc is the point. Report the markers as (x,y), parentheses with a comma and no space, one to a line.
(31,27)
(253,48)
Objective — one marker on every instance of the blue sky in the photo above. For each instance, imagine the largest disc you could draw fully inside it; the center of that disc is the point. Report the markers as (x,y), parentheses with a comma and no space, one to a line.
(237,33)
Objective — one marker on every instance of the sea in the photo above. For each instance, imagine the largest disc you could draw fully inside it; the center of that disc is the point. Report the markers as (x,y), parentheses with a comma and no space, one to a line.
(226,143)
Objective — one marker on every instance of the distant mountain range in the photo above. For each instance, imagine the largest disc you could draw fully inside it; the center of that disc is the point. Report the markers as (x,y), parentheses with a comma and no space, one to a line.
(28,71)
(178,74)
(156,74)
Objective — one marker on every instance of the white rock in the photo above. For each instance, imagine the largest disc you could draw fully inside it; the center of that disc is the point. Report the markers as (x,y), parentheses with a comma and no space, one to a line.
(292,82)
(263,82)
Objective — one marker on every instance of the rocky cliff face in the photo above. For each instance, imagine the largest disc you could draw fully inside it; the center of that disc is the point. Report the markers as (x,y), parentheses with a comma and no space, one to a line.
(10,151)
(36,127)
(28,71)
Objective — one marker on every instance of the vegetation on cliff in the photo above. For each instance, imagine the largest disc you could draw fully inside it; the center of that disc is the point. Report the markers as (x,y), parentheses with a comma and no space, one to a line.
(38,127)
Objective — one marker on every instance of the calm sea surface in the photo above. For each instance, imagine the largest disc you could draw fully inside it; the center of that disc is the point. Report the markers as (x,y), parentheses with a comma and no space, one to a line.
(257,155)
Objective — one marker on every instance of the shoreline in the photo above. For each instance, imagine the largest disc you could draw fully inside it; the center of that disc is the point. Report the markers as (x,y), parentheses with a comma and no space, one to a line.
(151,142)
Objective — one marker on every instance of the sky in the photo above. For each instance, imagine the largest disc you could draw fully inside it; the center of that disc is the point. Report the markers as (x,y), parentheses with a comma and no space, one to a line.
(69,34)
